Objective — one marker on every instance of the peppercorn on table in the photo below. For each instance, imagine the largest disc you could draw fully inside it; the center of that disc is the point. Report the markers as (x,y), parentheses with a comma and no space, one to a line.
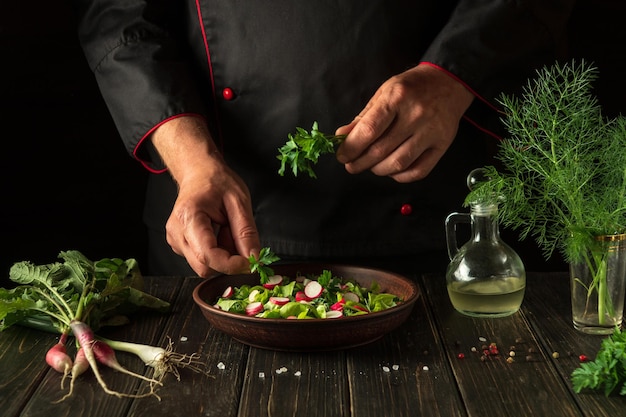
(438,363)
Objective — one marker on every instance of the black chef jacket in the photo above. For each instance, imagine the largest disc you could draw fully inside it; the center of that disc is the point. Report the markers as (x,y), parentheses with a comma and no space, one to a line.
(258,69)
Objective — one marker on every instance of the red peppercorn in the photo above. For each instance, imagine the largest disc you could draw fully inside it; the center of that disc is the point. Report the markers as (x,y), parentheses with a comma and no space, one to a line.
(461,355)
(583,358)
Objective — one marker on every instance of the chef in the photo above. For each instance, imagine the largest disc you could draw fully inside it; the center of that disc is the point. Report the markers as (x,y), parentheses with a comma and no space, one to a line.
(204,93)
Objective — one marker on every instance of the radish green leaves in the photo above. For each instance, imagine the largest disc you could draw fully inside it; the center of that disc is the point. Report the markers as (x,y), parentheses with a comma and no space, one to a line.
(75,288)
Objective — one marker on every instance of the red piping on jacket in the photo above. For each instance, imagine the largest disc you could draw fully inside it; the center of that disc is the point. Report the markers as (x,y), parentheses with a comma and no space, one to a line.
(146,164)
(478,96)
(210,66)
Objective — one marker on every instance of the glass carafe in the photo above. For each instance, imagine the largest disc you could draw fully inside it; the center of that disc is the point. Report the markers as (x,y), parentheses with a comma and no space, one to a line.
(485,277)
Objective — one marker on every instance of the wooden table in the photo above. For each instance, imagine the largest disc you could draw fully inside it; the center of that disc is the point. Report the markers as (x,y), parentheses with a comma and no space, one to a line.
(424,368)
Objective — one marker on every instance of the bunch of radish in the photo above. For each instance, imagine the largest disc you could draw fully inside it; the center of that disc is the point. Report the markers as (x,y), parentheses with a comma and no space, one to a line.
(66,297)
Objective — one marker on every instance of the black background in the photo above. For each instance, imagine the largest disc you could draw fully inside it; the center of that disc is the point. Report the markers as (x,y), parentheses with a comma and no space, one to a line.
(68,183)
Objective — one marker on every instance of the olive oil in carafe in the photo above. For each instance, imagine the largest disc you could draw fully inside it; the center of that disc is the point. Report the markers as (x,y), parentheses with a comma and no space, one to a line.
(485,277)
(488,298)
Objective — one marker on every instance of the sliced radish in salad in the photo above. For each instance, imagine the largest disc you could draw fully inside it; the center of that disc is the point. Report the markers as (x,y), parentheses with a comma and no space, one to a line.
(334,314)
(254,308)
(279,301)
(350,296)
(301,296)
(313,289)
(338,306)
(253,294)
(228,292)
(273,281)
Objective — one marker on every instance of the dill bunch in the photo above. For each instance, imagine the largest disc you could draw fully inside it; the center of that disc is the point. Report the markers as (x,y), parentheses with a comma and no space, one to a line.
(564,175)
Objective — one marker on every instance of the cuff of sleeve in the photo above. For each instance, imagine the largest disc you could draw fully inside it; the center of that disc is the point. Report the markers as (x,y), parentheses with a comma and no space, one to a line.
(474,114)
(145,152)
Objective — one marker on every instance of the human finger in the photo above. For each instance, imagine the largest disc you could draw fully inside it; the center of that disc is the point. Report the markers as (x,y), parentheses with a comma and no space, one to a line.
(242,226)
(364,130)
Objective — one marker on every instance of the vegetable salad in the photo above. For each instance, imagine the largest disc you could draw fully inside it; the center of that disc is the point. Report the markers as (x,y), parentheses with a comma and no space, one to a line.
(305,297)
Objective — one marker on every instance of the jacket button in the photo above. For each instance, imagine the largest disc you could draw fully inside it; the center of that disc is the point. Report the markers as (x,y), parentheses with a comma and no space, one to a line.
(406,209)
(228,94)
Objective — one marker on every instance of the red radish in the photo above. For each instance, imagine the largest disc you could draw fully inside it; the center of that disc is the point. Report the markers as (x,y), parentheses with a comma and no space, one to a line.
(313,289)
(58,359)
(81,365)
(163,360)
(301,296)
(334,314)
(273,281)
(228,292)
(350,296)
(338,306)
(106,356)
(252,295)
(88,343)
(279,301)
(255,308)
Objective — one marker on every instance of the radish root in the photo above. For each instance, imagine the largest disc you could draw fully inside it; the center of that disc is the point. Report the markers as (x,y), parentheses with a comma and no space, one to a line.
(171,361)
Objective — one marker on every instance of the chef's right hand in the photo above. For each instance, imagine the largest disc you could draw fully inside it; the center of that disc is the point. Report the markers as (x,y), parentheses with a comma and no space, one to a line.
(211,223)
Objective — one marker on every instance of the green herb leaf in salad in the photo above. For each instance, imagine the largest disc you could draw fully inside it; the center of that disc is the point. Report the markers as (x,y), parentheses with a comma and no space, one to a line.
(304,148)
(607,373)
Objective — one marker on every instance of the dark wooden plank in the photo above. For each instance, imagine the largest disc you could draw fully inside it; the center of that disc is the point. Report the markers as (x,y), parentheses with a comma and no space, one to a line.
(215,392)
(295,384)
(547,306)
(495,387)
(378,389)
(89,399)
(23,366)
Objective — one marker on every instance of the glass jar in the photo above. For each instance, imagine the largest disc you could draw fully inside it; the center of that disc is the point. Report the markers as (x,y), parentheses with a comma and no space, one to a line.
(485,277)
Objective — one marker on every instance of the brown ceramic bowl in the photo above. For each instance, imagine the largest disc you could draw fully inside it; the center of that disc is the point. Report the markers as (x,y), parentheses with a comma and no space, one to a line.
(309,334)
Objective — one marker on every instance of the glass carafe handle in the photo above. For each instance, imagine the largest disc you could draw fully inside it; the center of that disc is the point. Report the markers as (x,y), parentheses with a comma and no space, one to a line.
(451,221)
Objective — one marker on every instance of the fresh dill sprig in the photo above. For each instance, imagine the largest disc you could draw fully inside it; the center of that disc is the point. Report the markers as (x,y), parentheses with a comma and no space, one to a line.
(564,175)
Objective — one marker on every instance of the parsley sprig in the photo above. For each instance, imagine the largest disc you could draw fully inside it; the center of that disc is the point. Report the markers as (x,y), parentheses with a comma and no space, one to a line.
(304,148)
(260,264)
(607,372)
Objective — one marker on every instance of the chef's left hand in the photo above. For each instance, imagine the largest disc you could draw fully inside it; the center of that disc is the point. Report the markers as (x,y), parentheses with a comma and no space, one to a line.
(407,126)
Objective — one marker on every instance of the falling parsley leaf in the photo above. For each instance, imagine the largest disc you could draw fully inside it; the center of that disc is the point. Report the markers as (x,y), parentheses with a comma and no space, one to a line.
(260,265)
(304,148)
